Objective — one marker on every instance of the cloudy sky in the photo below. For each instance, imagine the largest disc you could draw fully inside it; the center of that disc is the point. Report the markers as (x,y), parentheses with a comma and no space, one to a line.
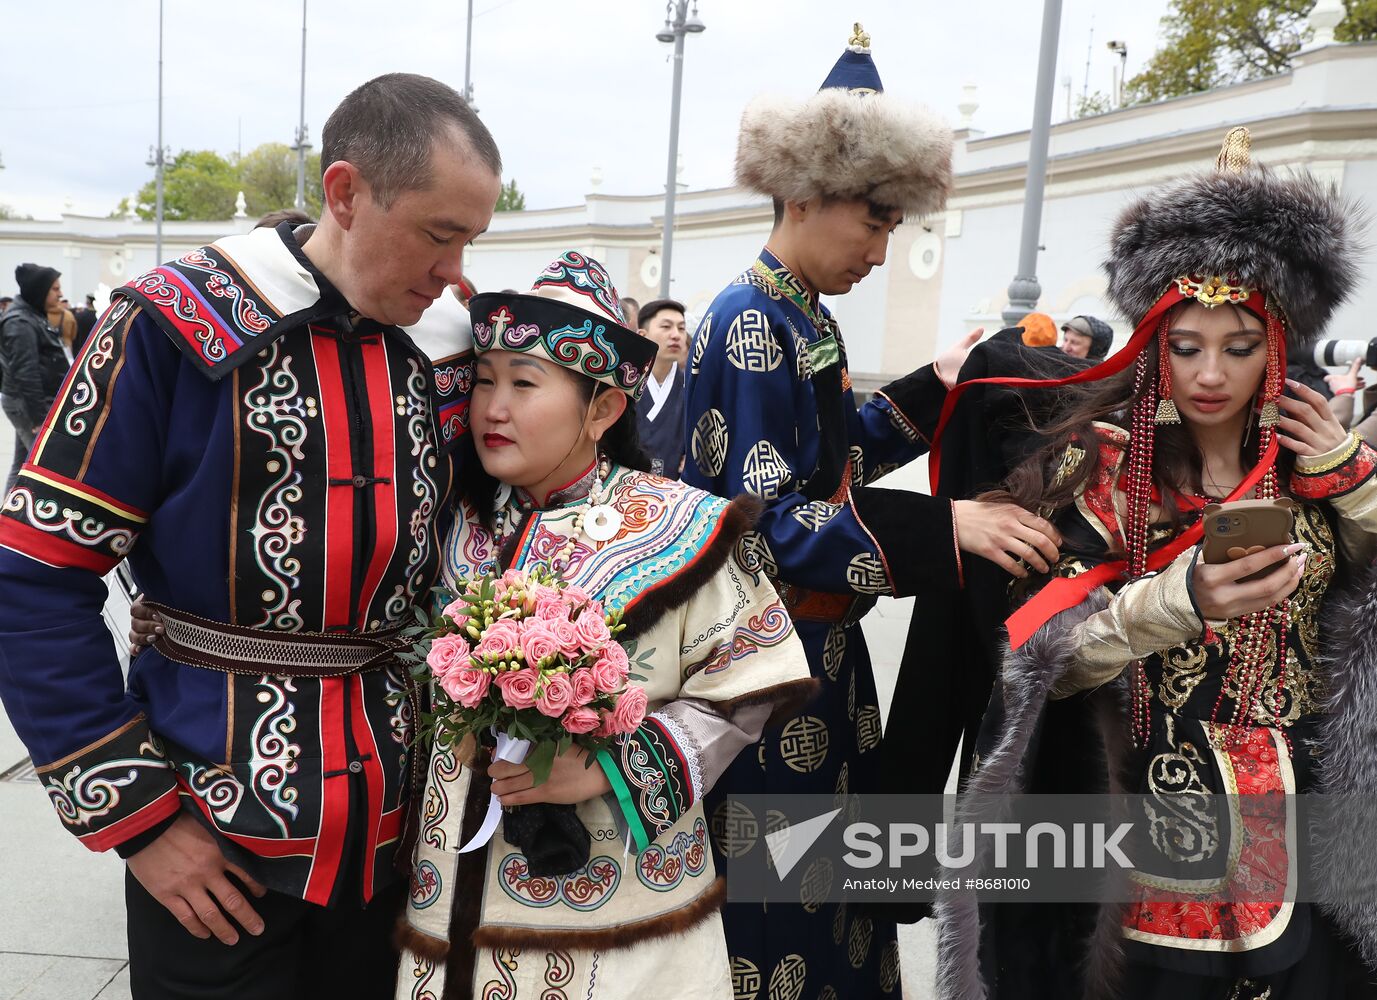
(566,87)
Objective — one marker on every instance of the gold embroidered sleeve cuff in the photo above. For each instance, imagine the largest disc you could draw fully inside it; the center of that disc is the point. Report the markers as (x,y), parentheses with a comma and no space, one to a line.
(1335,473)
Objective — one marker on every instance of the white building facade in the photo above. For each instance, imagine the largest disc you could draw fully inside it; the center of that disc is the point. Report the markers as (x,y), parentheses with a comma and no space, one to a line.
(945,275)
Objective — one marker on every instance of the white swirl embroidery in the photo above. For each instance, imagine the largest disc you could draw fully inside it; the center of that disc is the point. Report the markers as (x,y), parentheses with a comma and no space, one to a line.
(277,410)
(274,755)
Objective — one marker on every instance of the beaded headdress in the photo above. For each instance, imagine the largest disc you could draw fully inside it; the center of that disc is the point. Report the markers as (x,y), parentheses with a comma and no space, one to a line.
(1240,235)
(571,317)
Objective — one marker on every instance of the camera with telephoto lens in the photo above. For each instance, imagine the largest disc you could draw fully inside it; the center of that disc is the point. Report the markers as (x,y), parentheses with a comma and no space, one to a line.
(1338,353)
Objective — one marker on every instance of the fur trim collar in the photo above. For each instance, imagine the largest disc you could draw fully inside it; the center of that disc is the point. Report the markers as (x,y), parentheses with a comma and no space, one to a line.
(1348,765)
(845,145)
(1026,681)
(655,601)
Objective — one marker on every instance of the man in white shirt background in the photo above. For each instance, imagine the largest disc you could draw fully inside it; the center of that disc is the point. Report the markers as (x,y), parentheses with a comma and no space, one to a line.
(660,410)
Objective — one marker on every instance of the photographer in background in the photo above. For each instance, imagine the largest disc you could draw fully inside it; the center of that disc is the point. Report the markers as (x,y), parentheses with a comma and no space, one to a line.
(1344,389)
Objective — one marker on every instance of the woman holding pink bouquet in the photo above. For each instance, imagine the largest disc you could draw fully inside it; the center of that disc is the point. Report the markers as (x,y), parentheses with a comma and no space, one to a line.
(597,606)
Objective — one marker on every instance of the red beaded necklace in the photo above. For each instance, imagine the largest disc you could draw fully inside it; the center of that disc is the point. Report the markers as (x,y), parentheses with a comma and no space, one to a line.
(1247,671)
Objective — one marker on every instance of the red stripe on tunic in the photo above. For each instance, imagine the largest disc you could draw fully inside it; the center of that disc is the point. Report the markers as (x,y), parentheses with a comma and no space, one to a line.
(51,550)
(339,500)
(334,792)
(373,778)
(144,818)
(79,488)
(263,847)
(380,405)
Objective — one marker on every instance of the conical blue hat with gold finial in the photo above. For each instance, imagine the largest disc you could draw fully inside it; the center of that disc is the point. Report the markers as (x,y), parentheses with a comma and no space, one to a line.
(850,140)
(855,71)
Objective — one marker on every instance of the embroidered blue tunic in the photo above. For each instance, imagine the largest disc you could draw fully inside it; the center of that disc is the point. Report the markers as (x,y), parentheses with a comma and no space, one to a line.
(261,459)
(770,412)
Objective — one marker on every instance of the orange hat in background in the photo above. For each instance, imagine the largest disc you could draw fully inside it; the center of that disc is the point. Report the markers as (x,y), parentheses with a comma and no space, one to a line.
(1038,330)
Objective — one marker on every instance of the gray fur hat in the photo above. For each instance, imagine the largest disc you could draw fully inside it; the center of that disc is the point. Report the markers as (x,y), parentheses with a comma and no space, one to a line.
(849,140)
(1291,237)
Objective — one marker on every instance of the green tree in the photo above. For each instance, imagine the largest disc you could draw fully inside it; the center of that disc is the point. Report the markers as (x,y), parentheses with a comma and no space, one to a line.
(202,184)
(1360,24)
(197,184)
(1092,104)
(1210,43)
(511,199)
(267,176)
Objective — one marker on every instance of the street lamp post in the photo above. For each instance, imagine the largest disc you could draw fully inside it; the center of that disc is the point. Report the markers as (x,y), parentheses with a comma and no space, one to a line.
(1024,290)
(158,158)
(301,144)
(679,21)
(468,59)
(1120,49)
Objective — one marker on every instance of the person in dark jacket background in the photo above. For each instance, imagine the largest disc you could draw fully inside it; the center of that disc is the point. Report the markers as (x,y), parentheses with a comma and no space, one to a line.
(1086,337)
(660,410)
(32,362)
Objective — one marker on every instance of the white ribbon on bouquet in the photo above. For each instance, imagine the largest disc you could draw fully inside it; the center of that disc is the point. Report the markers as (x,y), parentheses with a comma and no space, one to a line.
(513,751)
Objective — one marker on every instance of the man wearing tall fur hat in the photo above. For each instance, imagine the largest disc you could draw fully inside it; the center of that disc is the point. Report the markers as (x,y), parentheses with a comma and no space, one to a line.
(1143,666)
(770,412)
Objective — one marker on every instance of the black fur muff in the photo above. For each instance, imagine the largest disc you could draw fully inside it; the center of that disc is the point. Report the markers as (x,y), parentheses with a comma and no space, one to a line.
(550,835)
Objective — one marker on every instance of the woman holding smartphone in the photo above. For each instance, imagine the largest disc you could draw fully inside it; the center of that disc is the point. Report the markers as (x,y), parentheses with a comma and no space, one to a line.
(1138,667)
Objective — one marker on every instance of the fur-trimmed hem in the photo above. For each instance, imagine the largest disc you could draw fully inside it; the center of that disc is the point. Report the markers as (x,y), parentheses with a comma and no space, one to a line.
(604,939)
(408,938)
(788,699)
(653,603)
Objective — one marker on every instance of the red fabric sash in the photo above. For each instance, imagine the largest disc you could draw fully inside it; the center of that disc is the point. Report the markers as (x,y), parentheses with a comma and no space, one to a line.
(1066,592)
(1111,365)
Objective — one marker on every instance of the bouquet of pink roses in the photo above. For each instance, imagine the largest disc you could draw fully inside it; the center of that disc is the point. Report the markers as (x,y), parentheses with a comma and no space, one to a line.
(529,657)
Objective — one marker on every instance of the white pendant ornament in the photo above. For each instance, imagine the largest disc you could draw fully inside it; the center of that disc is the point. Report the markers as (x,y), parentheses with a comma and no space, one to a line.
(601,523)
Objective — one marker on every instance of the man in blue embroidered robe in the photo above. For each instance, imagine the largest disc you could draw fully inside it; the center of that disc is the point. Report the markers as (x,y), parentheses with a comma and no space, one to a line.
(770,412)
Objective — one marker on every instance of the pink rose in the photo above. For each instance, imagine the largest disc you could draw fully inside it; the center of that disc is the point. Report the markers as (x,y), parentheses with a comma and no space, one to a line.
(582,720)
(584,689)
(458,610)
(544,592)
(617,654)
(467,685)
(593,632)
(447,653)
(538,641)
(606,726)
(556,695)
(568,635)
(518,687)
(607,676)
(499,638)
(576,596)
(514,578)
(630,710)
(551,609)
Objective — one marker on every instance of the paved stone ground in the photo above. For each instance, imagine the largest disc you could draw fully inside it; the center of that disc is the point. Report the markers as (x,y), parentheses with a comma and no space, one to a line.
(62,909)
